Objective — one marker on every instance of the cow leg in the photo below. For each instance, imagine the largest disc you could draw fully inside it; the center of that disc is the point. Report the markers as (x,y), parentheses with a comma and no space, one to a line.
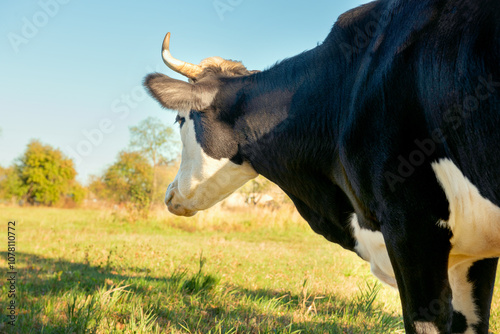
(419,257)
(482,274)
(472,283)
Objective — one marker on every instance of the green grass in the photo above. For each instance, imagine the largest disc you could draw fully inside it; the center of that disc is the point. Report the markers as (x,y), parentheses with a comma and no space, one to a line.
(255,271)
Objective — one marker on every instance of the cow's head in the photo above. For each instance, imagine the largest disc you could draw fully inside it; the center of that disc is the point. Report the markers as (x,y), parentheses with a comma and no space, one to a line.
(211,167)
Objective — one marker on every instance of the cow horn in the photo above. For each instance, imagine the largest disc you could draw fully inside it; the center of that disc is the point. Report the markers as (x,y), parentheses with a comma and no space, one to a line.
(186,69)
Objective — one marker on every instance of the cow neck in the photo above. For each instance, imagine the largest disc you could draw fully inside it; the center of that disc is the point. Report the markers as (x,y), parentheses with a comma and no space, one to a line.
(287,127)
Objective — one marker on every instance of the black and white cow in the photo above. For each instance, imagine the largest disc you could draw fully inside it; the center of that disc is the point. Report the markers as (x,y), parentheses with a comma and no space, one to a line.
(386,137)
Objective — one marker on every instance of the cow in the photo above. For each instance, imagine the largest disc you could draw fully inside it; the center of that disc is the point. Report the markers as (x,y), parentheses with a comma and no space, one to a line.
(385,136)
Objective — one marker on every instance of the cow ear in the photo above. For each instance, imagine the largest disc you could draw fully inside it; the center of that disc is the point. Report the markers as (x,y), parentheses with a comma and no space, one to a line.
(179,95)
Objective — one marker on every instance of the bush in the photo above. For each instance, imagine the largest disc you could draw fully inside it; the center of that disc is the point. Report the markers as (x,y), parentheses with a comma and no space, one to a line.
(43,175)
(128,181)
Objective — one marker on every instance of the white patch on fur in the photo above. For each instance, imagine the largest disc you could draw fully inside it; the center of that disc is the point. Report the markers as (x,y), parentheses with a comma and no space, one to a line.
(426,327)
(202,181)
(475,224)
(371,247)
(474,220)
(463,297)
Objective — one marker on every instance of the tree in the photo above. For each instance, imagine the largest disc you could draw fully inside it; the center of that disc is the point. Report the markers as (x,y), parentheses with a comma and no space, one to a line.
(46,176)
(97,187)
(11,186)
(255,189)
(157,142)
(129,181)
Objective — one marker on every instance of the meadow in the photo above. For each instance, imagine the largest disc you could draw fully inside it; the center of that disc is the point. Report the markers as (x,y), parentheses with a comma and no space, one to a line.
(252,270)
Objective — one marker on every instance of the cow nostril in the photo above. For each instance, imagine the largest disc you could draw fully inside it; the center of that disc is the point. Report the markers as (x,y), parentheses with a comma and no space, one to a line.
(168,200)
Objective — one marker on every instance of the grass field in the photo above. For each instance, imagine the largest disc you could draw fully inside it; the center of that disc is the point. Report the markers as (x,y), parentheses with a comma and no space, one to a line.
(247,271)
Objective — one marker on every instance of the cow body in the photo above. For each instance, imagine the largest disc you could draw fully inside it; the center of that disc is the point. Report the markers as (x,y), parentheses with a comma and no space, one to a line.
(385,138)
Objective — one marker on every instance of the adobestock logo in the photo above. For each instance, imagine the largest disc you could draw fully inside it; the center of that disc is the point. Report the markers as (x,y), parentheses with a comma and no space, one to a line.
(365,34)
(453,118)
(32,26)
(224,6)
(120,109)
(93,138)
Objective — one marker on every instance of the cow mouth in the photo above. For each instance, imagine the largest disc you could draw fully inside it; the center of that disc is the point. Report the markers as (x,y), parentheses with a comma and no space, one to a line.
(178,209)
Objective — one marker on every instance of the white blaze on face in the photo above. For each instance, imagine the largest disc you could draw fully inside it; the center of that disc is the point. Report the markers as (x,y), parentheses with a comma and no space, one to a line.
(202,181)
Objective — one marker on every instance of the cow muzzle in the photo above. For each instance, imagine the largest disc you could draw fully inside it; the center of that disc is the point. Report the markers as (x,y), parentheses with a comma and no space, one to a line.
(175,206)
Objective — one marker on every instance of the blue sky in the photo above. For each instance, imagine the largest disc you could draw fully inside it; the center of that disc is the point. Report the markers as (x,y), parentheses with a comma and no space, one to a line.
(71,71)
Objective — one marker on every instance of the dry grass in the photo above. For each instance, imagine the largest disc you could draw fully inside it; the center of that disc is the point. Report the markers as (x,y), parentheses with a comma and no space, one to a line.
(222,271)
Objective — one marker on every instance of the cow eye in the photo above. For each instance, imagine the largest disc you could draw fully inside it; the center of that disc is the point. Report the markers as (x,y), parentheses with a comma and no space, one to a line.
(180,120)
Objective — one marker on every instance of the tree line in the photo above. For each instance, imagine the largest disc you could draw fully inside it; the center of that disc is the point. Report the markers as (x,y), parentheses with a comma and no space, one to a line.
(43,175)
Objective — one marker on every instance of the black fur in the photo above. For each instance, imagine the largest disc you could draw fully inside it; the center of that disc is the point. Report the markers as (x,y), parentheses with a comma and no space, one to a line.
(483,273)
(335,128)
(180,95)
